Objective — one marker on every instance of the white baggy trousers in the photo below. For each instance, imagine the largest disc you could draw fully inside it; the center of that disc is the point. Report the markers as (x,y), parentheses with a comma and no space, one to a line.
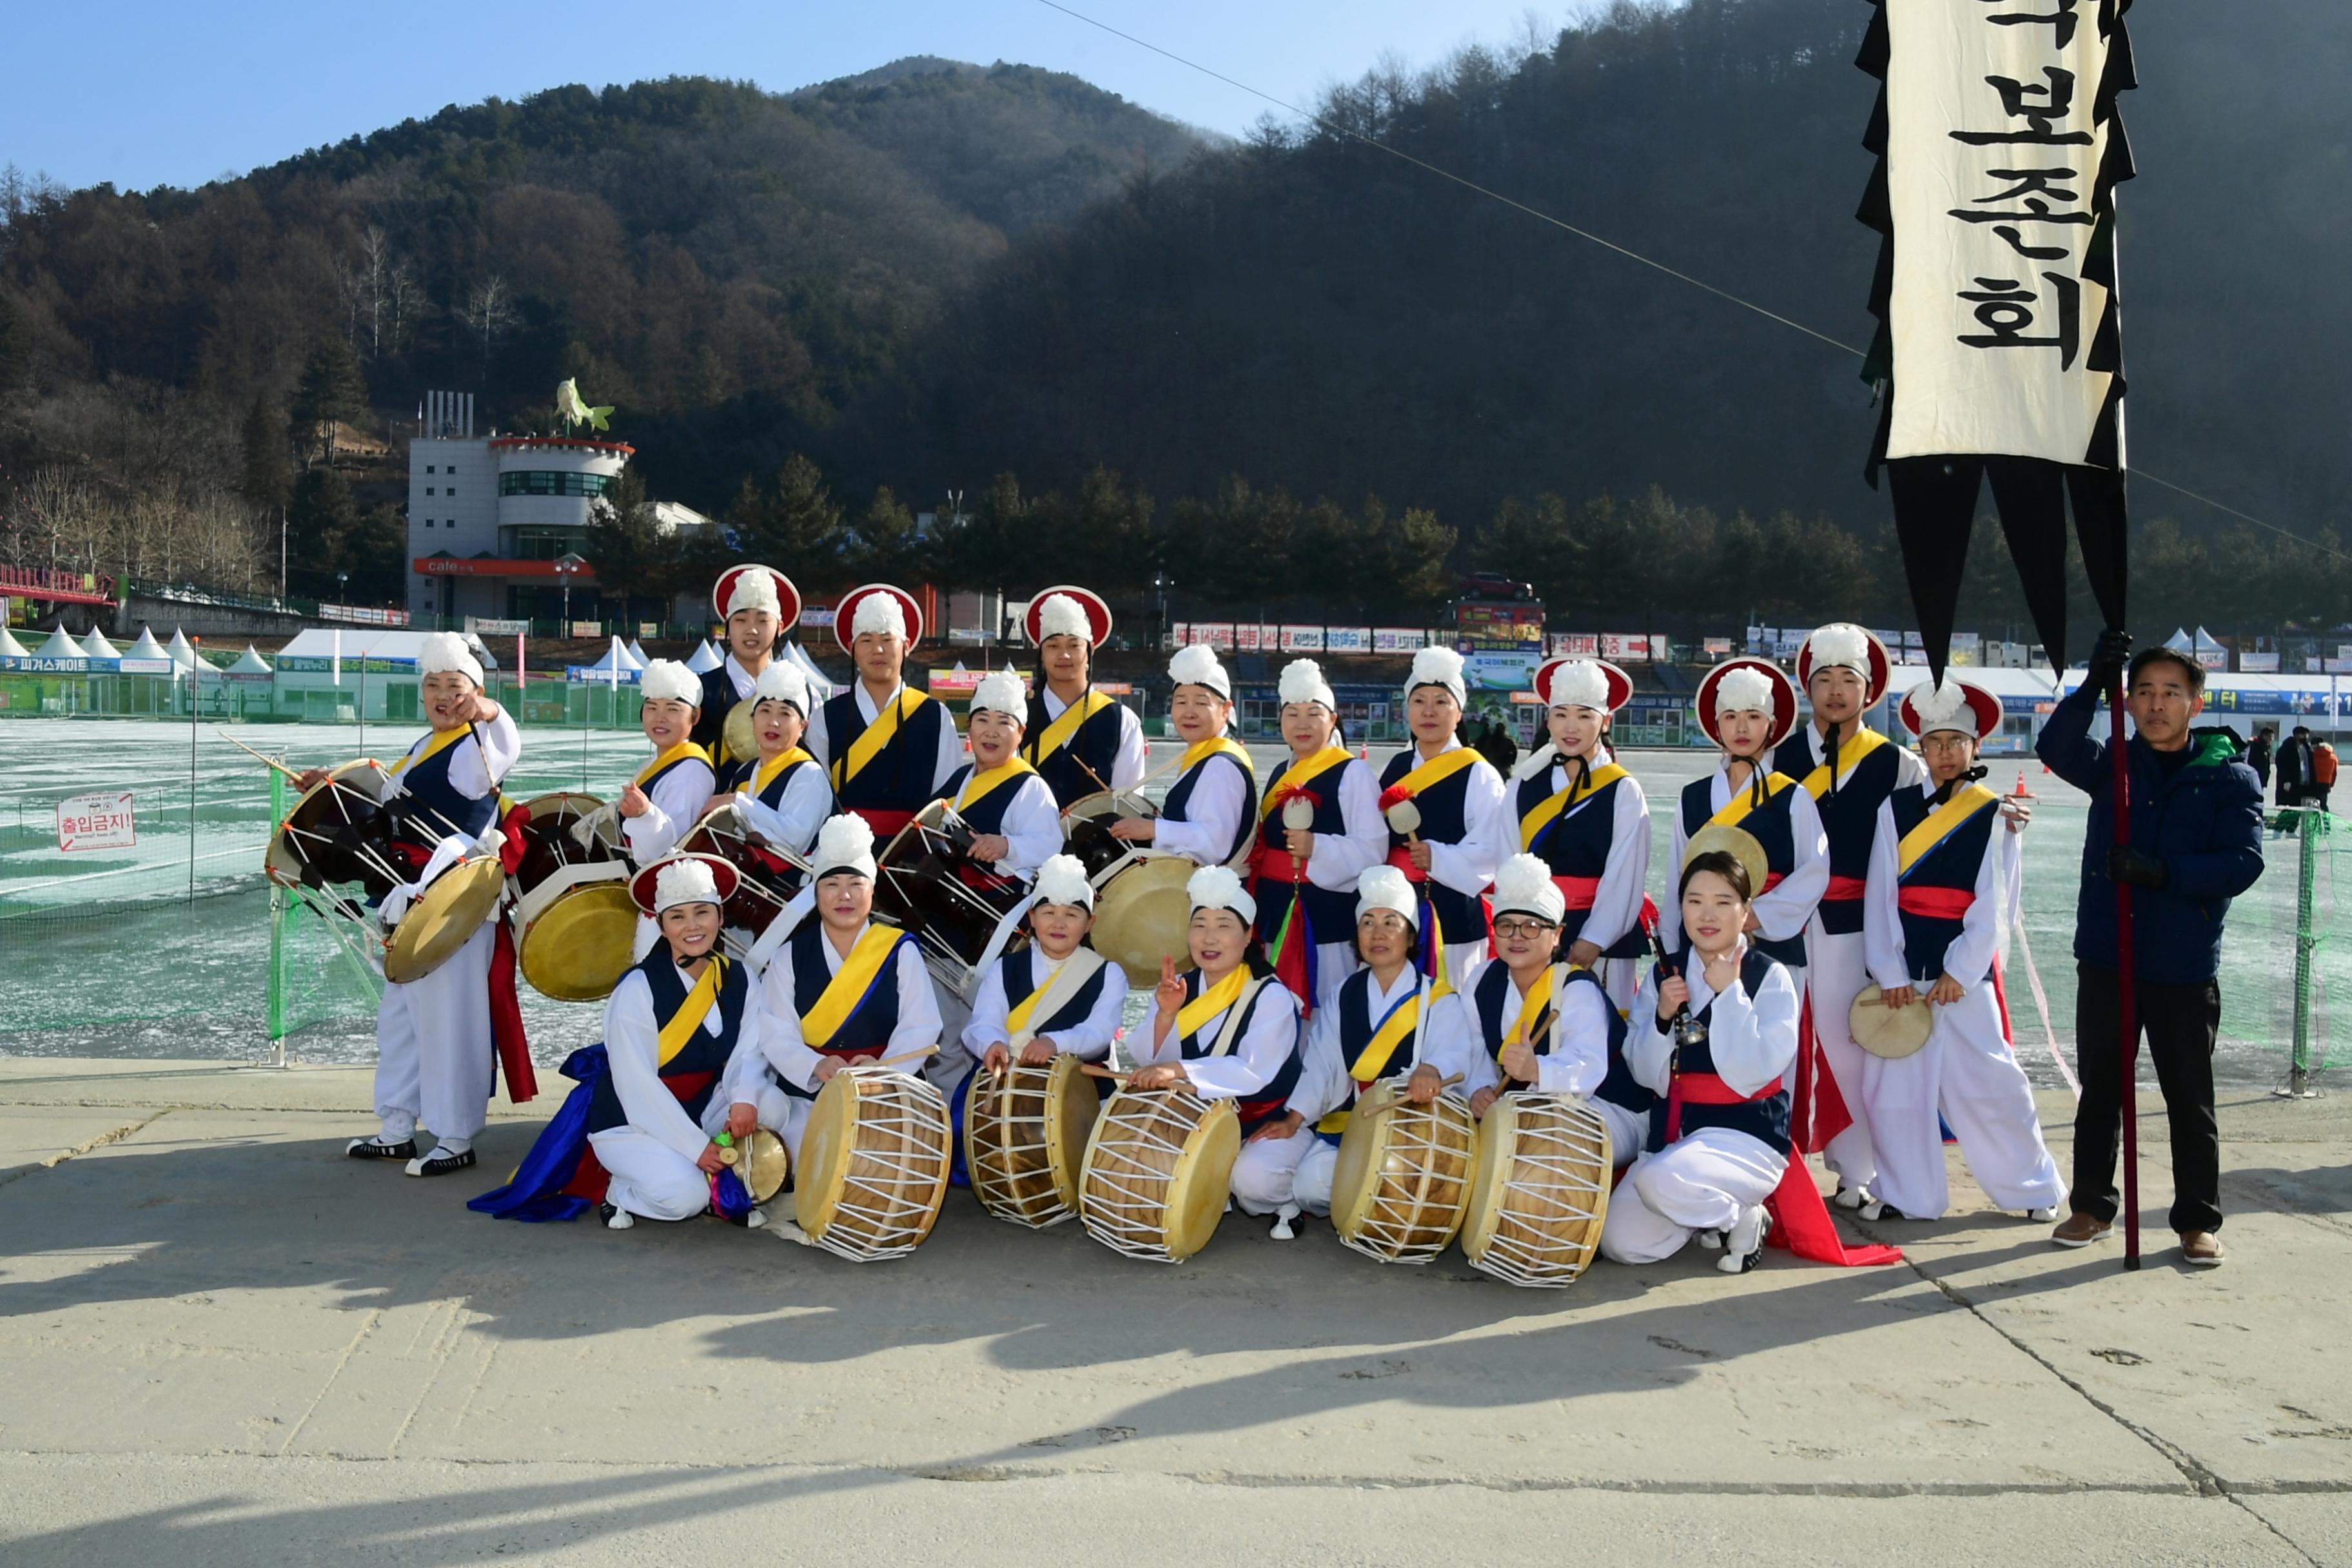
(434,1060)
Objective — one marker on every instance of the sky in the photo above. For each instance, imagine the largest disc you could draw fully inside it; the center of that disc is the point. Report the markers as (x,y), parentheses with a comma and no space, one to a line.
(141,93)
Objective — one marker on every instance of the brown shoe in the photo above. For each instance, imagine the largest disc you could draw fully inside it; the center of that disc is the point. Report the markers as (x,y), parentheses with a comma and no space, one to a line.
(2080,1229)
(2201,1248)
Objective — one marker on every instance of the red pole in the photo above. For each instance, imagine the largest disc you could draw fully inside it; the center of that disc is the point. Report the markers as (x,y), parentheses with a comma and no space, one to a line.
(2127,999)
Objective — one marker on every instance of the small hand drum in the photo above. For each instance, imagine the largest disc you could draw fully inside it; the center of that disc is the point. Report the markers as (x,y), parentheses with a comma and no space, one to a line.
(1892,1033)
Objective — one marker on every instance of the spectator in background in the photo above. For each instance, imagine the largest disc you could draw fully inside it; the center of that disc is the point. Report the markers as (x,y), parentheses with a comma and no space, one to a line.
(1494,744)
(2323,774)
(2258,756)
(2294,774)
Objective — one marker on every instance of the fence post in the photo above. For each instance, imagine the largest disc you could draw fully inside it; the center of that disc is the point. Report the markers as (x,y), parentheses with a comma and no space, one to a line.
(2306,942)
(277,1053)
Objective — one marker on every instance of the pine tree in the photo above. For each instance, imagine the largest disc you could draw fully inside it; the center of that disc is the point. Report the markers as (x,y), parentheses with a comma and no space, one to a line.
(796,528)
(268,478)
(626,545)
(320,520)
(331,390)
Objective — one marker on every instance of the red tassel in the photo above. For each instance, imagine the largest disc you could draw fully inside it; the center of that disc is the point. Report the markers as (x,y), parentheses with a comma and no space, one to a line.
(506,1016)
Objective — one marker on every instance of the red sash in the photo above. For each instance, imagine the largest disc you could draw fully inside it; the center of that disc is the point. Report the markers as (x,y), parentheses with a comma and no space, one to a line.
(588,1178)
(1578,893)
(1704,1089)
(1279,865)
(1402,858)
(887,825)
(1935,903)
(1772,880)
(1844,889)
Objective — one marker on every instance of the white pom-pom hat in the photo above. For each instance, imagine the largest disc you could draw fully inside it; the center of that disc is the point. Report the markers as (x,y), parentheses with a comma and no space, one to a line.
(846,843)
(683,880)
(782,681)
(1746,686)
(1061,880)
(1957,704)
(667,679)
(1302,681)
(446,651)
(1000,692)
(1589,683)
(1196,664)
(1438,666)
(1386,888)
(1523,885)
(881,608)
(1842,645)
(755,587)
(1217,888)
(1067,611)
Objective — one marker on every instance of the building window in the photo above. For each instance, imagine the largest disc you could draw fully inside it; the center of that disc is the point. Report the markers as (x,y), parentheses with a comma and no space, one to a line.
(526,482)
(453,490)
(428,522)
(428,467)
(428,489)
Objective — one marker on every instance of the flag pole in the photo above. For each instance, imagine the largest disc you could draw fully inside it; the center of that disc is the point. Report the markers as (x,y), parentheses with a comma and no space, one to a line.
(2127,999)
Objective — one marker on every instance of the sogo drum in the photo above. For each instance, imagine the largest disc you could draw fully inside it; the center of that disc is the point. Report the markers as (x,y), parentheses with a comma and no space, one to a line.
(1540,1191)
(1158,1169)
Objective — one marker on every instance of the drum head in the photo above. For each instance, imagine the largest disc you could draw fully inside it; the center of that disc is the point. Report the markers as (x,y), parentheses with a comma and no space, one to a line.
(1071,1107)
(581,945)
(1109,804)
(1498,1137)
(1141,911)
(1363,1151)
(1892,1033)
(737,742)
(444,918)
(1543,1230)
(282,861)
(825,1147)
(1203,1180)
(764,1164)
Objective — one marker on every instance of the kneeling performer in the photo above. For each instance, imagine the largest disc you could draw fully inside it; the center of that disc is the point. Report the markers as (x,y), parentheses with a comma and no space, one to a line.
(1056,996)
(1532,1021)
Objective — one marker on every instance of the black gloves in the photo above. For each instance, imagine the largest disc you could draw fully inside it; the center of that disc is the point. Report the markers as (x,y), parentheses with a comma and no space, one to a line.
(2109,655)
(2134,868)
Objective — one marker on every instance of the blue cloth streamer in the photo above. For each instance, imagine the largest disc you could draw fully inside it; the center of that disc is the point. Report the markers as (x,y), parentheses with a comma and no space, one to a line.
(535,1194)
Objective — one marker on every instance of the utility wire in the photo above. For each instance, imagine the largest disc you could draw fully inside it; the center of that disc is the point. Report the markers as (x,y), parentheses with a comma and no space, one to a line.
(1516,206)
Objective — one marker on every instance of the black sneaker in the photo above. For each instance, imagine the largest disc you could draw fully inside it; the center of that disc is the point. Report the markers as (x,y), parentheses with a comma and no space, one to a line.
(369,1149)
(440,1162)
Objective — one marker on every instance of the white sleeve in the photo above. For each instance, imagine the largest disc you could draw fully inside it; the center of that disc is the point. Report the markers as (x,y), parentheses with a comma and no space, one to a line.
(1128,765)
(1881,921)
(807,801)
(1910,773)
(1579,1058)
(1340,858)
(813,740)
(1212,815)
(631,1050)
(1033,828)
(781,1040)
(1257,1056)
(1617,902)
(1091,1037)
(1451,1045)
(949,749)
(1141,1048)
(1468,867)
(675,803)
(747,1069)
(1670,903)
(1649,1050)
(475,771)
(919,1024)
(1753,1042)
(1984,930)
(1783,911)
(987,1026)
(1323,1086)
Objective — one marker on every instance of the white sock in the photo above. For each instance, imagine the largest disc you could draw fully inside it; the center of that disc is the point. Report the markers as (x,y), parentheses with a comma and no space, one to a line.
(451,1146)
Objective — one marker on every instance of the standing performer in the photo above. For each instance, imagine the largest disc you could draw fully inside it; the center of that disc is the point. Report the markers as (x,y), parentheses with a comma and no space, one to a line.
(682,1043)
(1056,996)
(1081,740)
(781,793)
(1304,878)
(1533,1021)
(1464,827)
(1850,770)
(1015,823)
(1746,707)
(1943,894)
(1379,1025)
(1588,819)
(889,750)
(1228,1028)
(438,1037)
(1206,816)
(758,605)
(1716,1046)
(660,805)
(844,988)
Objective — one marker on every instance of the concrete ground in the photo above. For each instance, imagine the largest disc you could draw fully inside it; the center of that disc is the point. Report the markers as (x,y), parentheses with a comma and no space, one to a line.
(222,1342)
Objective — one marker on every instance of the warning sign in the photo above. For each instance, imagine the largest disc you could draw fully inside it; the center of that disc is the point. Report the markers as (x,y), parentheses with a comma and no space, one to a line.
(101,821)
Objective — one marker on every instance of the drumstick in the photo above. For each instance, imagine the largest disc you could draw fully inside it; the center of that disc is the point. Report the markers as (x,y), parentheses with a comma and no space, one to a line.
(1096,1069)
(908,1056)
(249,751)
(1393,1101)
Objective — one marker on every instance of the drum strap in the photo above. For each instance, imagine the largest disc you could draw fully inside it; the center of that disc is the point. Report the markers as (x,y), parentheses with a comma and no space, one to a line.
(1048,999)
(1230,1035)
(851,984)
(691,1011)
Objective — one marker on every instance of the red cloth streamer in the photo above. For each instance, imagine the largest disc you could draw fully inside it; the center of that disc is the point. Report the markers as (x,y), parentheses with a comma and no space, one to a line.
(887,825)
(506,1017)
(588,1178)
(1818,1110)
(1935,903)
(1800,1221)
(1278,866)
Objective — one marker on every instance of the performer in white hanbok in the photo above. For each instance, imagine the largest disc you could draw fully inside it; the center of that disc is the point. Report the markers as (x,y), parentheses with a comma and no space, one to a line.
(844,988)
(1378,1027)
(888,749)
(759,606)
(439,1037)
(685,1076)
(1304,877)
(669,794)
(1941,902)
(1586,817)
(1230,1030)
(998,795)
(1715,1047)
(1530,1020)
(1207,816)
(1460,811)
(781,793)
(1056,996)
(1080,740)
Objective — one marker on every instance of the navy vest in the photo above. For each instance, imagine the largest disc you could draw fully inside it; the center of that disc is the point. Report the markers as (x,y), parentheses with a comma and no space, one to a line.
(1770,825)
(740,775)
(1849,814)
(899,777)
(703,1053)
(1356,1027)
(1445,819)
(865,1031)
(429,807)
(1764,1119)
(1020,972)
(1096,745)
(1954,863)
(1491,996)
(1578,845)
(1272,1100)
(1333,915)
(1173,809)
(985,815)
(719,699)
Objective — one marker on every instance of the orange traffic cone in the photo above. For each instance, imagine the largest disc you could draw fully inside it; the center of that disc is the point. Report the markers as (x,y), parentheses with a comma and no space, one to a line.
(2020,792)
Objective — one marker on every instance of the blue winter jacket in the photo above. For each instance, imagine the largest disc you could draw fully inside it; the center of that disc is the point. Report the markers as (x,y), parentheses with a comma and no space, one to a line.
(2206,821)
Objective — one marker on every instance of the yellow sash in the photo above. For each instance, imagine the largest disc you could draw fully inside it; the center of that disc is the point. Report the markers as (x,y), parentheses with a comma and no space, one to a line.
(979,785)
(767,771)
(1312,767)
(435,744)
(1383,1044)
(1850,756)
(1941,824)
(1537,999)
(1215,746)
(1743,800)
(691,1011)
(1057,735)
(1550,806)
(876,735)
(1018,1019)
(1437,769)
(849,984)
(684,750)
(1212,1002)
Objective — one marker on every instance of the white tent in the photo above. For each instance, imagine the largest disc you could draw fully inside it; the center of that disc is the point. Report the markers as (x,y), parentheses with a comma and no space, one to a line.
(819,689)
(60,646)
(706,658)
(251,663)
(617,659)
(97,646)
(183,651)
(146,647)
(9,646)
(637,654)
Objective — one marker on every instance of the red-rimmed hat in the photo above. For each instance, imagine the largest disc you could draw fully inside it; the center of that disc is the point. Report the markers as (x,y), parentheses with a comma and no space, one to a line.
(1097,614)
(1784,700)
(1945,705)
(788,598)
(1617,686)
(1836,656)
(844,614)
(644,888)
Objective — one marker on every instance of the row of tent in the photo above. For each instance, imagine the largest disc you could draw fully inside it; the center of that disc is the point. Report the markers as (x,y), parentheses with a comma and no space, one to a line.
(180,651)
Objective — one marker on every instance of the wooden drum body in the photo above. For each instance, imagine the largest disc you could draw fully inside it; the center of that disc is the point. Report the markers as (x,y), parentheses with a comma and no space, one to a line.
(1158,1169)
(575,925)
(1024,1137)
(874,1164)
(1402,1183)
(1540,1191)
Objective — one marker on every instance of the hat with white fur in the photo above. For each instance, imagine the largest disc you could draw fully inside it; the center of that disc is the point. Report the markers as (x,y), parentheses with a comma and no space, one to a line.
(1523,885)
(755,587)
(878,607)
(1067,611)
(1842,645)
(1216,888)
(846,843)
(1746,686)
(782,681)
(1957,704)
(1386,888)
(1438,666)
(1302,681)
(666,678)
(1196,664)
(1000,692)
(1061,880)
(445,651)
(683,880)
(1591,683)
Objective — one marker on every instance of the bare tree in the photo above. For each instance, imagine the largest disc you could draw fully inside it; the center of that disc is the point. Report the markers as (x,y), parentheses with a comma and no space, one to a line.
(488,313)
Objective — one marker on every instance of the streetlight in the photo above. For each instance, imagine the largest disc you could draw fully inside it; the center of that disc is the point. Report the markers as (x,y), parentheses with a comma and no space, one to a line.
(566,566)
(340,578)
